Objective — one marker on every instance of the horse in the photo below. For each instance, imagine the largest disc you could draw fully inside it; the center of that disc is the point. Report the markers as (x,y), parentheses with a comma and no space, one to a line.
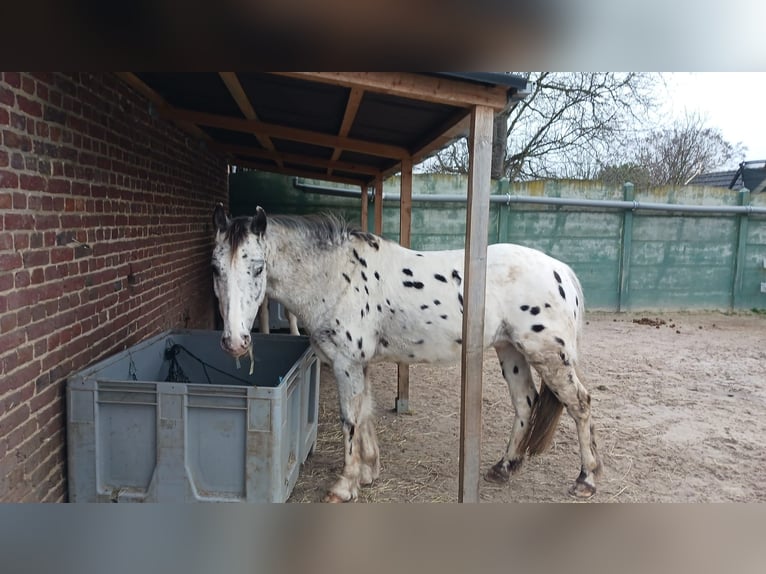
(362,299)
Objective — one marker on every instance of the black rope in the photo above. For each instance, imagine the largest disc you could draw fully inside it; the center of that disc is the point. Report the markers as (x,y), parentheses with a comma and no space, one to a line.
(176,374)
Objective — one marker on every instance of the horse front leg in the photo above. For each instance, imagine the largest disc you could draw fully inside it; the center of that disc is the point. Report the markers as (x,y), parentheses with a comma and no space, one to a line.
(357,451)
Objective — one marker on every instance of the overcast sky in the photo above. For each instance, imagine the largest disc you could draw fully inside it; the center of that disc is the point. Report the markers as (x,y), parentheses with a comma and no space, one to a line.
(731,101)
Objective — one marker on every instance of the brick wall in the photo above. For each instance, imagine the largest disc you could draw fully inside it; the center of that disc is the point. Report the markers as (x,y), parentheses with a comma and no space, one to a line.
(104,241)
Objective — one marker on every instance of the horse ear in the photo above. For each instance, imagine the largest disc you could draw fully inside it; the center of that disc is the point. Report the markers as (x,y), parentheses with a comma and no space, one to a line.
(258,226)
(220,220)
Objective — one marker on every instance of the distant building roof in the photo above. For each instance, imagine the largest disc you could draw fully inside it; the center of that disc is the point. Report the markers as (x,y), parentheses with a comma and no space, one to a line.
(719,179)
(751,174)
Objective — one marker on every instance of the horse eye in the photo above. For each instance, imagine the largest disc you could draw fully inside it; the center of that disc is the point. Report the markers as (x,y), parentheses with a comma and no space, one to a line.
(216,271)
(258,271)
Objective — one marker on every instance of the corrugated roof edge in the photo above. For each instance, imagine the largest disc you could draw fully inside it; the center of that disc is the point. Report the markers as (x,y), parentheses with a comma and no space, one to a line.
(492,78)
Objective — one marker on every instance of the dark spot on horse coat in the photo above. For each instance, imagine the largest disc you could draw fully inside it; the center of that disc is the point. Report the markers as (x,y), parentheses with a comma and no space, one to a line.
(364,276)
(420,341)
(424,306)
(456,276)
(437,302)
(459,341)
(525,307)
(411,355)
(415,284)
(359,343)
(443,316)
(529,402)
(515,369)
(348,335)
(347,278)
(564,359)
(384,342)
(367,306)
(407,272)
(380,308)
(561,291)
(547,305)
(337,322)
(560,341)
(361,260)
(366,290)
(538,328)
(419,255)
(388,302)
(441,278)
(535,310)
(347,375)
(429,322)
(356,289)
(377,276)
(557,276)
(460,299)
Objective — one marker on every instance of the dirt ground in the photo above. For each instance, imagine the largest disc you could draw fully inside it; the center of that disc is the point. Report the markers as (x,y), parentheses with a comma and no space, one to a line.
(679,403)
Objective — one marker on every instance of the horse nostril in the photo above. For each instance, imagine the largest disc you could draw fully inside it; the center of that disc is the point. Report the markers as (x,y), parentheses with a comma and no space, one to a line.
(246,340)
(226,342)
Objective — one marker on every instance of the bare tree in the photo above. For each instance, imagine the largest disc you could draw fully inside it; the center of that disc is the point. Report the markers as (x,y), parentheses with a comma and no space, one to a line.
(688,147)
(564,128)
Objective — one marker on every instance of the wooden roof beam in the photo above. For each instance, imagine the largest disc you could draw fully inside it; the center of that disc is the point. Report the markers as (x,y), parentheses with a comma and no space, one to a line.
(302,173)
(284,132)
(352,107)
(296,158)
(238,93)
(137,84)
(415,86)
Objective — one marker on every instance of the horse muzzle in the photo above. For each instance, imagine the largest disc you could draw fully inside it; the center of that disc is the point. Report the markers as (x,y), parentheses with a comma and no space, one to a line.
(236,346)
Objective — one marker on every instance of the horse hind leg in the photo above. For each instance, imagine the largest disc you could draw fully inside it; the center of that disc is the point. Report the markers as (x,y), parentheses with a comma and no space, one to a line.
(518,375)
(565,385)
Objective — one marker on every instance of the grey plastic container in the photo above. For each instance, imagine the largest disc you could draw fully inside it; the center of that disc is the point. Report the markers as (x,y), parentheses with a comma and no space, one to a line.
(224,436)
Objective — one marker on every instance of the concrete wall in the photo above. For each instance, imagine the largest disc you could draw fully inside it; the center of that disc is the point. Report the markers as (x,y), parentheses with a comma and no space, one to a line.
(105,239)
(625,260)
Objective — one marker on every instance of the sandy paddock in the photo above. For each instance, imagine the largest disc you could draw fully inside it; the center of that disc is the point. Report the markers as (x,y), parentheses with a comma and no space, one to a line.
(679,403)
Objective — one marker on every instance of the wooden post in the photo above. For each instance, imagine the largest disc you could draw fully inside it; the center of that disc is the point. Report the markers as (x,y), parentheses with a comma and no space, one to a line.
(379,205)
(365,205)
(405,224)
(474,289)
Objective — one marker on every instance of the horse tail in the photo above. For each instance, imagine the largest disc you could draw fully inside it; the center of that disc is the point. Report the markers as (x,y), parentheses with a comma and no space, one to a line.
(543,422)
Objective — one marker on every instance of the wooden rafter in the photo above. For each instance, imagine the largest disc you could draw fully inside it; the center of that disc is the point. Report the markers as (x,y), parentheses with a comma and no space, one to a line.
(415,86)
(352,107)
(301,173)
(137,84)
(284,132)
(238,93)
(296,159)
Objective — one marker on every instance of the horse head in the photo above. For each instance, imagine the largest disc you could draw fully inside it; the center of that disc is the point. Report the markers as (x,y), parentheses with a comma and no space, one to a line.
(239,275)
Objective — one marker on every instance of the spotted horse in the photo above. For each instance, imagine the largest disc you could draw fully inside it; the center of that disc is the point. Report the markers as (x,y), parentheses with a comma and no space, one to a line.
(365,299)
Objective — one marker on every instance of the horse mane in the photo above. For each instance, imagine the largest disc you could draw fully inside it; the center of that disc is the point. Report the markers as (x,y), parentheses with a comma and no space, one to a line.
(324,230)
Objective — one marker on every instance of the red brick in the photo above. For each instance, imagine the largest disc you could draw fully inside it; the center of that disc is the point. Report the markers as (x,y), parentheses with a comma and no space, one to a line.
(6,240)
(59,186)
(29,106)
(12,79)
(21,241)
(32,182)
(22,279)
(28,85)
(13,419)
(8,180)
(36,258)
(4,158)
(10,261)
(5,117)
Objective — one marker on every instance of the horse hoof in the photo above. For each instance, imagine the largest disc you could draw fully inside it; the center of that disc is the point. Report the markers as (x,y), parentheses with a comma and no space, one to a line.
(501,472)
(582,490)
(497,474)
(333,498)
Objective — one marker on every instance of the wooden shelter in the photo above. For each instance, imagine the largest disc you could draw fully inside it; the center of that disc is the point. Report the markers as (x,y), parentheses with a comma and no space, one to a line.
(359,128)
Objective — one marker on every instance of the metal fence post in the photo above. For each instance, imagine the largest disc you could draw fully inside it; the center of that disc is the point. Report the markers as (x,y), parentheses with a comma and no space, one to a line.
(626,247)
(740,250)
